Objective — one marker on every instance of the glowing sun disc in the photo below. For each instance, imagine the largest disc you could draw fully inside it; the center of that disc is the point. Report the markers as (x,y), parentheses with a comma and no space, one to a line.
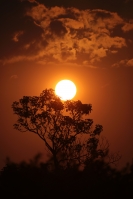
(65,89)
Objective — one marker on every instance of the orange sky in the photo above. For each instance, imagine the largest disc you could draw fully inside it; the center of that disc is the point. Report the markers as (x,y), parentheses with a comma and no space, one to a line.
(89,43)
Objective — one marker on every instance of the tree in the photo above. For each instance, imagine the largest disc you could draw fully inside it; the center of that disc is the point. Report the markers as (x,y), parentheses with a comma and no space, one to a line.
(64,127)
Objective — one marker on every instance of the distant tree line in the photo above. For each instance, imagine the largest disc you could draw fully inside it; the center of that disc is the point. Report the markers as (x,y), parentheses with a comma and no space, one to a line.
(35,180)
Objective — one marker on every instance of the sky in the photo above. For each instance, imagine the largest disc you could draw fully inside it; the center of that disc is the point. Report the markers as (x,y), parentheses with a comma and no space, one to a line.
(89,42)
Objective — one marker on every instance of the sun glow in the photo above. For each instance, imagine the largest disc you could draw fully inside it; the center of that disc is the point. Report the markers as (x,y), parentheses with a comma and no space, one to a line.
(65,89)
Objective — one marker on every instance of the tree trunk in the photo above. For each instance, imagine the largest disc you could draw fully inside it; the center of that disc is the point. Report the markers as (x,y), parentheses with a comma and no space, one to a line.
(56,163)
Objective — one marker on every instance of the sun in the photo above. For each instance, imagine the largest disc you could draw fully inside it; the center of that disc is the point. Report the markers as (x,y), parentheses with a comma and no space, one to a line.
(65,89)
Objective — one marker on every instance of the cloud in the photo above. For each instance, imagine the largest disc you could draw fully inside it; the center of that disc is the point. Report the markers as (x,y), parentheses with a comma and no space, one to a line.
(14,77)
(13,59)
(23,58)
(120,63)
(125,62)
(128,26)
(72,35)
(70,31)
(130,63)
(17,35)
(88,64)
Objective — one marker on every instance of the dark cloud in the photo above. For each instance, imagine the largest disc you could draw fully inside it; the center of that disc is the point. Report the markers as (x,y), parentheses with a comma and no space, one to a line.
(122,7)
(15,26)
(63,34)
(56,27)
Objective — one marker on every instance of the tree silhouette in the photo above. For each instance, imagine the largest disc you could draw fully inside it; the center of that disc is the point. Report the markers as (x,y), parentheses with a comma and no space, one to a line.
(64,127)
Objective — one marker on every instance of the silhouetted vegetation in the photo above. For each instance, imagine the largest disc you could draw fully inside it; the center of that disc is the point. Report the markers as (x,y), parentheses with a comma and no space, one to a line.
(79,164)
(35,180)
(64,126)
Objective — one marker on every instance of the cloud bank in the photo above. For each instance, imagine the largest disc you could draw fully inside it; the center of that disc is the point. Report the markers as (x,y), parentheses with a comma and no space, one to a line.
(71,35)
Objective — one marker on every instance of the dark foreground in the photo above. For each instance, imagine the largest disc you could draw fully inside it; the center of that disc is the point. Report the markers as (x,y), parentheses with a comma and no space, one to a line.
(97,180)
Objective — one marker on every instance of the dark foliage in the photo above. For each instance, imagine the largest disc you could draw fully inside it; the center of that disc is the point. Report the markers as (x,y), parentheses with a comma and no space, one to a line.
(34,180)
(77,167)
(64,126)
